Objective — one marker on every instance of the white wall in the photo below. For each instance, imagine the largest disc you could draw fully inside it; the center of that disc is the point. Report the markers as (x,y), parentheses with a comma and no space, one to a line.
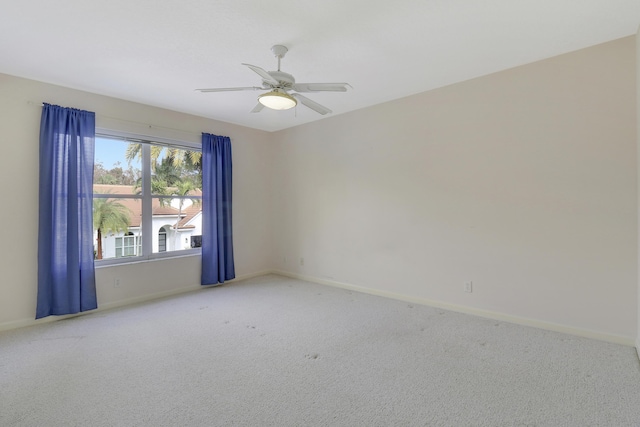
(20,123)
(523,182)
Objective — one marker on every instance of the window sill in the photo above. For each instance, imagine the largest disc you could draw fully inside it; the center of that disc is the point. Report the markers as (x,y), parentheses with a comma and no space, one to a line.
(152,258)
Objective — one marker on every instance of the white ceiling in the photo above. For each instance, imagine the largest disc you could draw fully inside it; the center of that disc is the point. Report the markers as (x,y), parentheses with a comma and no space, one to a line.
(158,51)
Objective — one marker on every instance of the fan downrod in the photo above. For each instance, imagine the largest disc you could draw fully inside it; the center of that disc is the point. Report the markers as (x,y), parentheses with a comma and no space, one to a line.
(279,51)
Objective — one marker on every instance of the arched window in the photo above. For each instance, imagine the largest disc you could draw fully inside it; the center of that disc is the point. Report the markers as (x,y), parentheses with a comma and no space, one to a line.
(162,240)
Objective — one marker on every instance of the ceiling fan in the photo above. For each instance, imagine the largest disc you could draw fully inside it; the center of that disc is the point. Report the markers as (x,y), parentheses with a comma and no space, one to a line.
(279,84)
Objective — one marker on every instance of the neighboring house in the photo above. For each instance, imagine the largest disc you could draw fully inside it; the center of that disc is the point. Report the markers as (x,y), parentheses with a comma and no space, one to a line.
(165,235)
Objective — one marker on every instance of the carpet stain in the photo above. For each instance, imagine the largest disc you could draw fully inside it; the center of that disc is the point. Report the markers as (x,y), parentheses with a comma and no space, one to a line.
(410,306)
(313,356)
(250,327)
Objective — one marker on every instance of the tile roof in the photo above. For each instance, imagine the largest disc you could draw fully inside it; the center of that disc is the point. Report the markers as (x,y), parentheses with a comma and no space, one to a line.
(158,209)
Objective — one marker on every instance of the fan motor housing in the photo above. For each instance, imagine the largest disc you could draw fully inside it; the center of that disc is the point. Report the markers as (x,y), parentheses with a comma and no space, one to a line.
(285,79)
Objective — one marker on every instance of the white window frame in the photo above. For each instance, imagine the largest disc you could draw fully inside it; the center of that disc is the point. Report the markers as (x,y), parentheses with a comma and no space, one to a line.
(146,198)
(136,246)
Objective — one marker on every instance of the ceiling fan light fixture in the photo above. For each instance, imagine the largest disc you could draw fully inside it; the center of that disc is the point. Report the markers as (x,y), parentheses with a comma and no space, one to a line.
(277,100)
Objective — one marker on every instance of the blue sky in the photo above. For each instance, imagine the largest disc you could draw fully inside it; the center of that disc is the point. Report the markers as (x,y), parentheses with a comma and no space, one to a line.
(110,151)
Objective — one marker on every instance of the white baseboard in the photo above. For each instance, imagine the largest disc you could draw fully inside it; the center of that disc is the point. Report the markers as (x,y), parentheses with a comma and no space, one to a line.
(616,339)
(15,324)
(22,323)
(417,300)
(101,307)
(251,275)
(172,292)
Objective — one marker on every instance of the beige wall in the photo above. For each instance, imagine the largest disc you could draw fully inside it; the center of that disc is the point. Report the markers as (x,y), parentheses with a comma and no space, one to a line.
(638,137)
(20,122)
(523,182)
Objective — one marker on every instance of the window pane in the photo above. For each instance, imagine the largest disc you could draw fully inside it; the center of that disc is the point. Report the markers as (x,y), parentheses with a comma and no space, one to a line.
(176,220)
(117,168)
(175,198)
(162,240)
(131,246)
(175,172)
(176,184)
(117,221)
(117,227)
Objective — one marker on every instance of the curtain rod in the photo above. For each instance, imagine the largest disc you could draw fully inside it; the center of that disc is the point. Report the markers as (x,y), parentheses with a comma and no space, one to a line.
(41,104)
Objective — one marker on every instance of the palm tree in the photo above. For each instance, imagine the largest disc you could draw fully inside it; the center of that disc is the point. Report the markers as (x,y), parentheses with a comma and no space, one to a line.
(109,216)
(181,189)
(165,174)
(158,187)
(168,172)
(184,158)
(175,172)
(134,150)
(176,156)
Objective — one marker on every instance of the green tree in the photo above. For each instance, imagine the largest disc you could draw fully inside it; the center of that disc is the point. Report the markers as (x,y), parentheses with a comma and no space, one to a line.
(106,179)
(109,216)
(114,176)
(176,173)
(165,175)
(181,189)
(168,172)
(134,151)
(184,159)
(99,173)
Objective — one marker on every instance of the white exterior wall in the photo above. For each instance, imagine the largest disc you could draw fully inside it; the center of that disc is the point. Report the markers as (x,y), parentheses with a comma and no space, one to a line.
(196,221)
(167,221)
(109,243)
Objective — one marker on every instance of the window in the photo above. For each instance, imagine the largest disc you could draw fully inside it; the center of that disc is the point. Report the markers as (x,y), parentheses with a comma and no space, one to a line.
(128,245)
(145,188)
(162,240)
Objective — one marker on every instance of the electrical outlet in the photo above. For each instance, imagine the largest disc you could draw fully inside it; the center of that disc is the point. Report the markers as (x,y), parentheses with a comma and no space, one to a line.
(116,282)
(468,287)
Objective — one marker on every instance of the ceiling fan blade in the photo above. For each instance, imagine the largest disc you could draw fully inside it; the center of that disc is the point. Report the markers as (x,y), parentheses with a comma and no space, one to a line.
(320,87)
(311,104)
(262,73)
(257,108)
(230,89)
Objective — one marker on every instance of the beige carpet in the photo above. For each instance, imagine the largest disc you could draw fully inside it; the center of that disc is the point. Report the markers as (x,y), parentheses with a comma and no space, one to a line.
(274,351)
